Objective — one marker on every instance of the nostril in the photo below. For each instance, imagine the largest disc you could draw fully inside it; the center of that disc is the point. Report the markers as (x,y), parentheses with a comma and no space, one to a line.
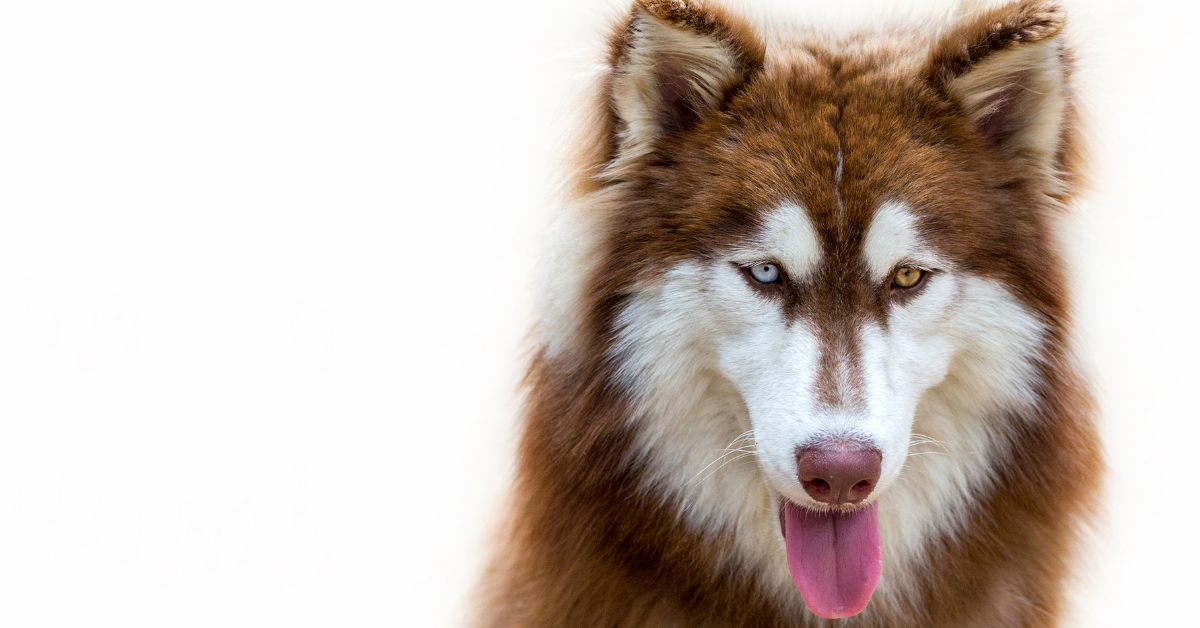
(817,487)
(838,472)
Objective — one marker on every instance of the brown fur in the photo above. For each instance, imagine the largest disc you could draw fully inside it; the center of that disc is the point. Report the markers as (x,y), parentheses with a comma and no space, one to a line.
(588,543)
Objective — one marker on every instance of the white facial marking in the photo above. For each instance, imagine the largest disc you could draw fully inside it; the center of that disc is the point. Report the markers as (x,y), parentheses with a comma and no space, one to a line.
(788,236)
(893,238)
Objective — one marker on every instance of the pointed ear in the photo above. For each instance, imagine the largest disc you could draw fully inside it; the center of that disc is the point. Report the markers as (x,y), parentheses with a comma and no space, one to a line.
(1007,70)
(674,63)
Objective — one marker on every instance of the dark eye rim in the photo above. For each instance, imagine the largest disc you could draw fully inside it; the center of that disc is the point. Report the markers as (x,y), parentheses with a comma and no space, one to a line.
(926,273)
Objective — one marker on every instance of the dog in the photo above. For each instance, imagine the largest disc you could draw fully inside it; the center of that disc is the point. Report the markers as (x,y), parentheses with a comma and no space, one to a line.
(804,341)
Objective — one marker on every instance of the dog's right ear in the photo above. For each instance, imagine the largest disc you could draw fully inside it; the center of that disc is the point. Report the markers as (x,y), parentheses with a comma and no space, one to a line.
(1006,68)
(674,63)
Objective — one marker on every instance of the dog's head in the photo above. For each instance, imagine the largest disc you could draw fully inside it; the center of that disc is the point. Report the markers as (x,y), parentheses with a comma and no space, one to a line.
(826,239)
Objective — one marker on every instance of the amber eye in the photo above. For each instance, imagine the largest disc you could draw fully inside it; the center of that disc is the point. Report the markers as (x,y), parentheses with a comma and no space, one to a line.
(907,277)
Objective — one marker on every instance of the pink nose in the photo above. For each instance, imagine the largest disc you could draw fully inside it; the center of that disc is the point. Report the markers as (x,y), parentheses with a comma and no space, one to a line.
(839,473)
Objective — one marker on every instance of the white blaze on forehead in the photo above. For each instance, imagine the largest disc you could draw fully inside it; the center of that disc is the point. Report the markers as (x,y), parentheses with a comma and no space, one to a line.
(893,239)
(787,235)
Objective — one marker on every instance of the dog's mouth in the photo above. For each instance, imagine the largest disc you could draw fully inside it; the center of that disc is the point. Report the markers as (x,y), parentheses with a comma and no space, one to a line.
(834,556)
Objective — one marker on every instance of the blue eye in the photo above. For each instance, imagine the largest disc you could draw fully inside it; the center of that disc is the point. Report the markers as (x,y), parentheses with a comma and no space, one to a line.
(765,273)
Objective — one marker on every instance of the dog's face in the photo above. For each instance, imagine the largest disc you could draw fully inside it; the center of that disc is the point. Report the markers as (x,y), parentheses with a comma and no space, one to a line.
(834,281)
(836,238)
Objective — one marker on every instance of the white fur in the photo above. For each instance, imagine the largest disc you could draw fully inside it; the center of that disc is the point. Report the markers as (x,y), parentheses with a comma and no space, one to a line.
(787,237)
(959,424)
(892,240)
(689,418)
(565,267)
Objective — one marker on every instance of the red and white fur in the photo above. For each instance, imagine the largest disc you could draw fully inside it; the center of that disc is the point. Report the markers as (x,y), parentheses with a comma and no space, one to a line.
(671,389)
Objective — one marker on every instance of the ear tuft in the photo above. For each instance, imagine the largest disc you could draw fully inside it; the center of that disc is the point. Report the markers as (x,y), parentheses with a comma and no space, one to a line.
(674,63)
(981,33)
(1007,69)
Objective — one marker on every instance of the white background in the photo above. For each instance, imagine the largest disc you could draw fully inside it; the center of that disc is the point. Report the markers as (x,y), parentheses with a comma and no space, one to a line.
(266,270)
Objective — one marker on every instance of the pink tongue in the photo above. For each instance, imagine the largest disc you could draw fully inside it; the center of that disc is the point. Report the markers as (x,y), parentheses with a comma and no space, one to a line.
(835,559)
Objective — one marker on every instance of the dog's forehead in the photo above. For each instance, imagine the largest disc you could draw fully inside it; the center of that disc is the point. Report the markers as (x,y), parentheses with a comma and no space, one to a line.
(841,142)
(844,210)
(840,148)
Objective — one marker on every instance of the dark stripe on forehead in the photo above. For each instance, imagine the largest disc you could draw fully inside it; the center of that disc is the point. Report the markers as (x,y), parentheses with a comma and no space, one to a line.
(842,296)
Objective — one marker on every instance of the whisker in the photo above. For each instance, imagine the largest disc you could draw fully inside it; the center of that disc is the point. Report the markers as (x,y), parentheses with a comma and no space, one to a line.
(732,449)
(922,439)
(738,457)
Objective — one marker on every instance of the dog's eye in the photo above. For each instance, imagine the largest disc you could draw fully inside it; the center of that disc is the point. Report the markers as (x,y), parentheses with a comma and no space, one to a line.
(765,273)
(907,277)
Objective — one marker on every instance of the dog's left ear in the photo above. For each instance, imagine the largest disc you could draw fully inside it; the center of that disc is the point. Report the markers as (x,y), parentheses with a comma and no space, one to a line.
(1007,70)
(672,65)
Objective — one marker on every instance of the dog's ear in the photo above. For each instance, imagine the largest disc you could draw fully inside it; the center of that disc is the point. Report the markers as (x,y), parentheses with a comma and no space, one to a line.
(1006,69)
(673,63)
